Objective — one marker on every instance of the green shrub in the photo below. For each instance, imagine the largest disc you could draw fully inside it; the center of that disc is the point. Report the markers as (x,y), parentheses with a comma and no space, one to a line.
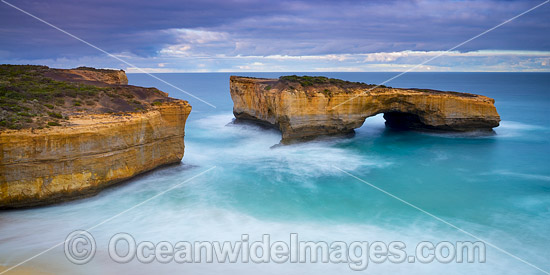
(110,94)
(327,92)
(24,114)
(49,105)
(14,126)
(317,80)
(53,123)
(56,115)
(14,108)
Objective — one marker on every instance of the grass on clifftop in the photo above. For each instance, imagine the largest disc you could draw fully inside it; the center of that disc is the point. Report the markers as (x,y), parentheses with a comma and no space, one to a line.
(307,81)
(84,68)
(30,99)
(321,82)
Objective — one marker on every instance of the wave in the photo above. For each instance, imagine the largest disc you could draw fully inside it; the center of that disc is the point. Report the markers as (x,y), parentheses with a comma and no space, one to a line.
(251,146)
(521,175)
(508,129)
(210,223)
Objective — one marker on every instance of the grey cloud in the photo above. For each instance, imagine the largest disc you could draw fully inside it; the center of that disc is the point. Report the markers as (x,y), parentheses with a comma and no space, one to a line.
(253,27)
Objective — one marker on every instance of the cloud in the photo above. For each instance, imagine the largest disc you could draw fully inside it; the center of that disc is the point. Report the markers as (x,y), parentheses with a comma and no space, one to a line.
(517,61)
(197,36)
(282,35)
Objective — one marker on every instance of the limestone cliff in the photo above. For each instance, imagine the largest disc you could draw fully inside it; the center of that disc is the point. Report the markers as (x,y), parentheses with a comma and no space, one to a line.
(92,74)
(91,149)
(306,107)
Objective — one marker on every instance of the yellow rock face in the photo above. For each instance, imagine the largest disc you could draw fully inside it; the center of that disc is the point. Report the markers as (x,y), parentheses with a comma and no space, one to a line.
(304,113)
(95,151)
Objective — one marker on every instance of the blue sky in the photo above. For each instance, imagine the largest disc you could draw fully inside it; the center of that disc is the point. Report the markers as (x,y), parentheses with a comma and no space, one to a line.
(252,35)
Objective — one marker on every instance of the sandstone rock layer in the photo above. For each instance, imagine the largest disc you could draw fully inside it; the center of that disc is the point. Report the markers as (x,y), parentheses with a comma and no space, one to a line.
(90,148)
(304,112)
(51,165)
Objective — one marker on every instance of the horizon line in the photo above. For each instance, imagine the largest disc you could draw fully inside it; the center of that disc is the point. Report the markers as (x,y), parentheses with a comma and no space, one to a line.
(230,72)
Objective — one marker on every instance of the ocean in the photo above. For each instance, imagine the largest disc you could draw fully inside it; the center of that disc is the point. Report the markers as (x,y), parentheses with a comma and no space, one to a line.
(402,186)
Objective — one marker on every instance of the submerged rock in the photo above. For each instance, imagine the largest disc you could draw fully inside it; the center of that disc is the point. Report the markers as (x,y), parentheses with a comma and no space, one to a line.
(304,108)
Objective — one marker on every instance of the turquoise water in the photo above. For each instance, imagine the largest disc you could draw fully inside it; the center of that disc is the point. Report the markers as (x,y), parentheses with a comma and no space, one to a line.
(494,187)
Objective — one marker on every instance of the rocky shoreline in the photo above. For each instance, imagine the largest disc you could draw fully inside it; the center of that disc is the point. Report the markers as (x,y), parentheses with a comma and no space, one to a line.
(90,149)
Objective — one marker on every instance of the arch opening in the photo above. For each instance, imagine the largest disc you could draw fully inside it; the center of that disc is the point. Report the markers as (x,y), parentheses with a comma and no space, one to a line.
(404,121)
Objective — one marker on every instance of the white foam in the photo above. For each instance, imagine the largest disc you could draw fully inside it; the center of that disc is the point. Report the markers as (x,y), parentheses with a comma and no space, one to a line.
(253,145)
(203,223)
(521,175)
(510,129)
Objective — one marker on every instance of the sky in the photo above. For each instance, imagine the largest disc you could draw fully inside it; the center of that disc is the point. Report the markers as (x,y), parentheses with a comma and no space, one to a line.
(272,36)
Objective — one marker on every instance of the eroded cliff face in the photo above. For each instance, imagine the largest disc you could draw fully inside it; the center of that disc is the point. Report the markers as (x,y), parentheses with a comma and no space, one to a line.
(304,112)
(51,165)
(93,147)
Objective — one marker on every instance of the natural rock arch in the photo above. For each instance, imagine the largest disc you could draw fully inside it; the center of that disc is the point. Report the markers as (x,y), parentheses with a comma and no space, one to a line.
(331,107)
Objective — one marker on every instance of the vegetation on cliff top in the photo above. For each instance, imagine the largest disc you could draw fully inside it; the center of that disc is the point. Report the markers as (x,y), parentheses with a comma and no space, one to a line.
(307,81)
(84,68)
(321,83)
(31,98)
